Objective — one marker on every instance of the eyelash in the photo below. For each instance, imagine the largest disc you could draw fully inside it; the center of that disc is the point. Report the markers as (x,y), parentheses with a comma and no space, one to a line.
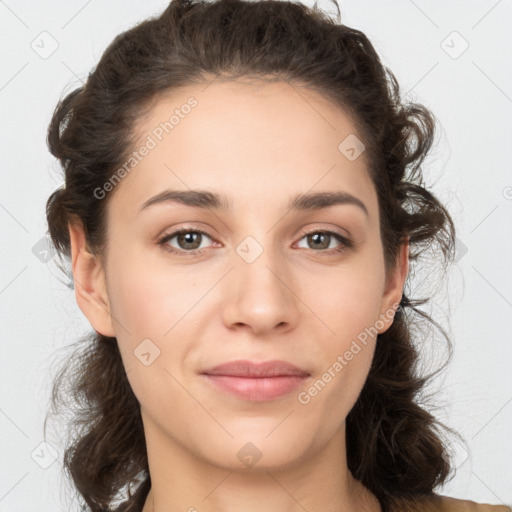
(345,243)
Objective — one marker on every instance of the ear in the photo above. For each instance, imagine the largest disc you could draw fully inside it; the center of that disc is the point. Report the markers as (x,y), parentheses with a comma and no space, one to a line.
(394,289)
(89,278)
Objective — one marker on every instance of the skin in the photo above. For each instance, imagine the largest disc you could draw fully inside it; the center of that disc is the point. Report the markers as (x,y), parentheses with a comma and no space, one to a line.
(259,144)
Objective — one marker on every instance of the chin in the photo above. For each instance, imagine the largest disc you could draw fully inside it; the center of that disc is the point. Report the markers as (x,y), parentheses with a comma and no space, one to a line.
(255,453)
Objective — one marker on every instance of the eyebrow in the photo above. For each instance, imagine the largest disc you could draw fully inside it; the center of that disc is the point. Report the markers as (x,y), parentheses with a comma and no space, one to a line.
(210,200)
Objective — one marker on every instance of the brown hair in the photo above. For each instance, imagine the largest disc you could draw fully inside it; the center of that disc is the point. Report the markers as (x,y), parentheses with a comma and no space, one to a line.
(394,445)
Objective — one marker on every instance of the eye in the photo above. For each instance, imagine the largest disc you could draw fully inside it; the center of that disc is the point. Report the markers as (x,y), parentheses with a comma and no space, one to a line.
(188,240)
(321,240)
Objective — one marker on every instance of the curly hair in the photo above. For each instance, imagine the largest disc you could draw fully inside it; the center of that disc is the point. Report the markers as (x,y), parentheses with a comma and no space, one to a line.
(395,447)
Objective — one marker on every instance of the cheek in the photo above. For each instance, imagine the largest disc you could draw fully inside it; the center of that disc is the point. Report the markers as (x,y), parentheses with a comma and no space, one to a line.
(147,300)
(346,355)
(348,300)
(348,303)
(150,305)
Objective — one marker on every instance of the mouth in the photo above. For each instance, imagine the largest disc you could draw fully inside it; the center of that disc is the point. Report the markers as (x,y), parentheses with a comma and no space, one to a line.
(257,382)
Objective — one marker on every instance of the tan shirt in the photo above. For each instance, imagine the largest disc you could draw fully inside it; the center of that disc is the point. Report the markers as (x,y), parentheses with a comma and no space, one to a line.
(448,504)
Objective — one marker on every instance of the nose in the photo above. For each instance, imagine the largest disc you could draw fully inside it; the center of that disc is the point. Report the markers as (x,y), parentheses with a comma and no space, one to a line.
(260,294)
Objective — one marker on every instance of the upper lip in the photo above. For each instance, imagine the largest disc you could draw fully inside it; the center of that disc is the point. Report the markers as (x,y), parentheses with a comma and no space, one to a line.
(244,368)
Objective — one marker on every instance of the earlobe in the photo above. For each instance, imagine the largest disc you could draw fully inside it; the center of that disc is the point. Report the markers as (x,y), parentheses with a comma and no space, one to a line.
(90,286)
(395,285)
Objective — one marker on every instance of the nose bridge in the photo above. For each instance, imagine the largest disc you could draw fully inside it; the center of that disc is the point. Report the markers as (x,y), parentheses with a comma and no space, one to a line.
(258,295)
(260,261)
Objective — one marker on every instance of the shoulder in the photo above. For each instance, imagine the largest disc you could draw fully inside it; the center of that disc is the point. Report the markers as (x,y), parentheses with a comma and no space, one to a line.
(437,503)
(457,505)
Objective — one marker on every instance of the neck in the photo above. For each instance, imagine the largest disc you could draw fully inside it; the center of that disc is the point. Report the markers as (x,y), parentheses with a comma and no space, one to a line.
(320,481)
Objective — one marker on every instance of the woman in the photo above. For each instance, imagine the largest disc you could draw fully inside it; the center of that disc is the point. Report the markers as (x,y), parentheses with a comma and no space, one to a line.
(243,198)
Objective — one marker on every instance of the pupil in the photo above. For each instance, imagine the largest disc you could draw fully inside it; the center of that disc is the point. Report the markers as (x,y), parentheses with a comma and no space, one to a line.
(317,240)
(188,238)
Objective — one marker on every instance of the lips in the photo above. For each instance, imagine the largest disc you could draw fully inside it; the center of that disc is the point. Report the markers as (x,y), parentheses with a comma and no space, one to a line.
(249,369)
(256,382)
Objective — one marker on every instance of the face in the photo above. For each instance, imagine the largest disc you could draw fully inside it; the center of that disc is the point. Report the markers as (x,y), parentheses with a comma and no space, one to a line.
(253,279)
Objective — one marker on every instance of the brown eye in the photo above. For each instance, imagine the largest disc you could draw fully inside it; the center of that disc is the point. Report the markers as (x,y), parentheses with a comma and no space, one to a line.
(320,241)
(187,240)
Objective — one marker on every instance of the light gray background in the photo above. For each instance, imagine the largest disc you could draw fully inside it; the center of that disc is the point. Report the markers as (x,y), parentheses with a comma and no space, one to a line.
(470,168)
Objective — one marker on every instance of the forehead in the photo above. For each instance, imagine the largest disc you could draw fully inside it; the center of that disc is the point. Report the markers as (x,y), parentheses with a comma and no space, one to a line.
(257,141)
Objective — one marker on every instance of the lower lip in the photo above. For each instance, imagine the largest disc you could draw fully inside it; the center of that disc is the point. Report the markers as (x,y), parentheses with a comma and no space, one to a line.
(257,389)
